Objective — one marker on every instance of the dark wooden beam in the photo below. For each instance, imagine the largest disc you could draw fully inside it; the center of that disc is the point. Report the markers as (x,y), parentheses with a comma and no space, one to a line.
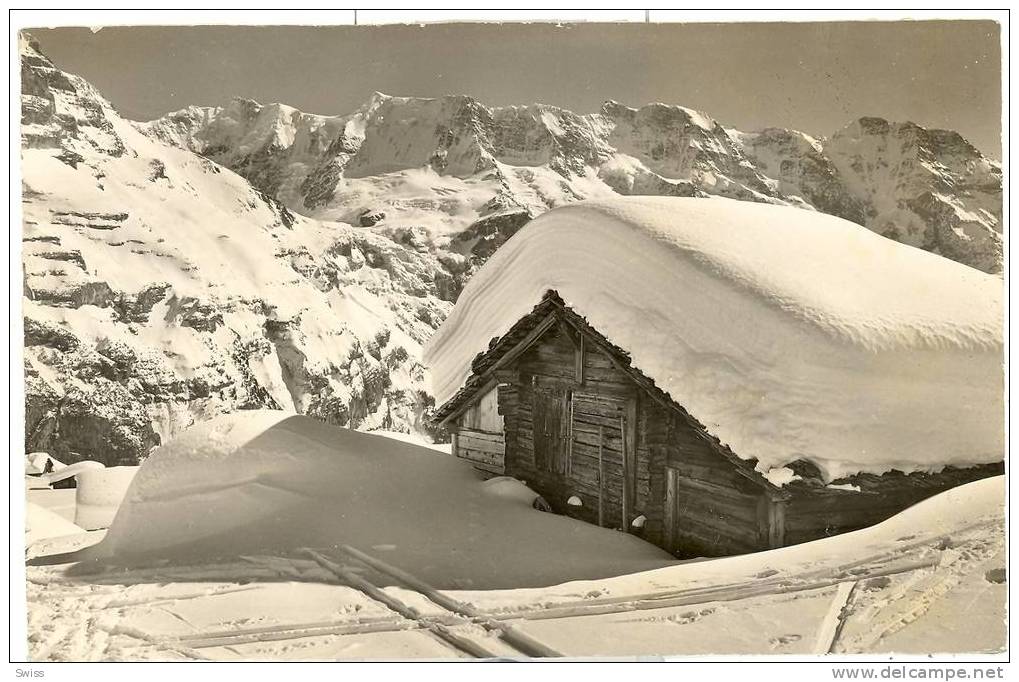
(509,356)
(581,353)
(513,353)
(483,390)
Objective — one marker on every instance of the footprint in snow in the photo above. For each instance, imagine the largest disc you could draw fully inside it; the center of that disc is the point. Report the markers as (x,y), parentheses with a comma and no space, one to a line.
(784,640)
(995,575)
(690,616)
(876,584)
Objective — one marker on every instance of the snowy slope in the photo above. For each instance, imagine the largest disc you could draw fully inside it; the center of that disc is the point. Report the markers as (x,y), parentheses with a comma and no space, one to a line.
(162,288)
(929,580)
(789,334)
(449,164)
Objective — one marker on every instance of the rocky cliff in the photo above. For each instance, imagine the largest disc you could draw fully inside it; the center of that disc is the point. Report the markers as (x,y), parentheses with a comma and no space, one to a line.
(162,288)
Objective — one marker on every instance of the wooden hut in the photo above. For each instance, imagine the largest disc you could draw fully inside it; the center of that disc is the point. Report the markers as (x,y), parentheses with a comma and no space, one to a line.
(556,404)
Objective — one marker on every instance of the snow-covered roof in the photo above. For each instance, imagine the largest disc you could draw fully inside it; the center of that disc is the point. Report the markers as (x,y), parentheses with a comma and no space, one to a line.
(789,334)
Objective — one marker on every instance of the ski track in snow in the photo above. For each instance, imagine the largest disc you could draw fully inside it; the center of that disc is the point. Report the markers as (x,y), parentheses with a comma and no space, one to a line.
(171,613)
(930,579)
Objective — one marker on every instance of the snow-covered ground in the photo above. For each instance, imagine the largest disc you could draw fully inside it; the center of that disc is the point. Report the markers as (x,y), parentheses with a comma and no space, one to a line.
(928,580)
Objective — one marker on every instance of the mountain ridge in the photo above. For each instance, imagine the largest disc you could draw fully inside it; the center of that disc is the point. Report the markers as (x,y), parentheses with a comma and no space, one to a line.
(926,187)
(254,256)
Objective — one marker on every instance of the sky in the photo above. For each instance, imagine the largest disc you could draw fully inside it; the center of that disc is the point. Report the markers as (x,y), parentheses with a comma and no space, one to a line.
(814,77)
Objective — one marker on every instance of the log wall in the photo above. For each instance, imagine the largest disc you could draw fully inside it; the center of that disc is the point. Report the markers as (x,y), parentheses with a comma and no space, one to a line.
(716,510)
(478,435)
(581,397)
(816,511)
(566,419)
(485,451)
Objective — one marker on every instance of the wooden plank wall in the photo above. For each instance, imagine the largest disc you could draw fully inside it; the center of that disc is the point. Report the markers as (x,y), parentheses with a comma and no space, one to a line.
(484,414)
(817,512)
(486,451)
(552,365)
(719,512)
(479,437)
(813,515)
(657,430)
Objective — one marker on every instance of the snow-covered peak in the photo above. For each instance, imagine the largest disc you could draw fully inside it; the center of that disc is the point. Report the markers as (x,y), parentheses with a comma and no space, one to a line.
(28,46)
(926,187)
(63,110)
(660,113)
(796,140)
(531,157)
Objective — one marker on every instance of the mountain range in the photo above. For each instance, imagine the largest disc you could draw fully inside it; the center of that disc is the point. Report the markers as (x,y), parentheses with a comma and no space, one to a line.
(250,255)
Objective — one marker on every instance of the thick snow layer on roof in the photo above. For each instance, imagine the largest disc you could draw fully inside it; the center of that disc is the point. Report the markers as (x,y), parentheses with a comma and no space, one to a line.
(789,334)
(264,482)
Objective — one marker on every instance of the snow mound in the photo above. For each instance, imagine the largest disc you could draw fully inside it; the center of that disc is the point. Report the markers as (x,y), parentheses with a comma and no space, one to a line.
(413,438)
(509,488)
(264,482)
(98,495)
(70,471)
(790,334)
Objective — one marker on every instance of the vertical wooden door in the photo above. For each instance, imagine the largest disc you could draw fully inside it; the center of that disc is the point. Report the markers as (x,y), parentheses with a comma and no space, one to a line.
(551,428)
(603,452)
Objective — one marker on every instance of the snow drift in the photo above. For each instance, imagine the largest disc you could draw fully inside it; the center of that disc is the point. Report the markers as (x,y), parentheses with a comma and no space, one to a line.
(264,482)
(789,334)
(98,495)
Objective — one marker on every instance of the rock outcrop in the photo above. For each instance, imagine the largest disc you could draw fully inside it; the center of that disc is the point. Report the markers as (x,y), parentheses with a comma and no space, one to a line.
(162,289)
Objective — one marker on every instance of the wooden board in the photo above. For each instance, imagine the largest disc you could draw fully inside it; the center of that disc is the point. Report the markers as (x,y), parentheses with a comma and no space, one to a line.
(548,411)
(483,450)
(710,519)
(483,415)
